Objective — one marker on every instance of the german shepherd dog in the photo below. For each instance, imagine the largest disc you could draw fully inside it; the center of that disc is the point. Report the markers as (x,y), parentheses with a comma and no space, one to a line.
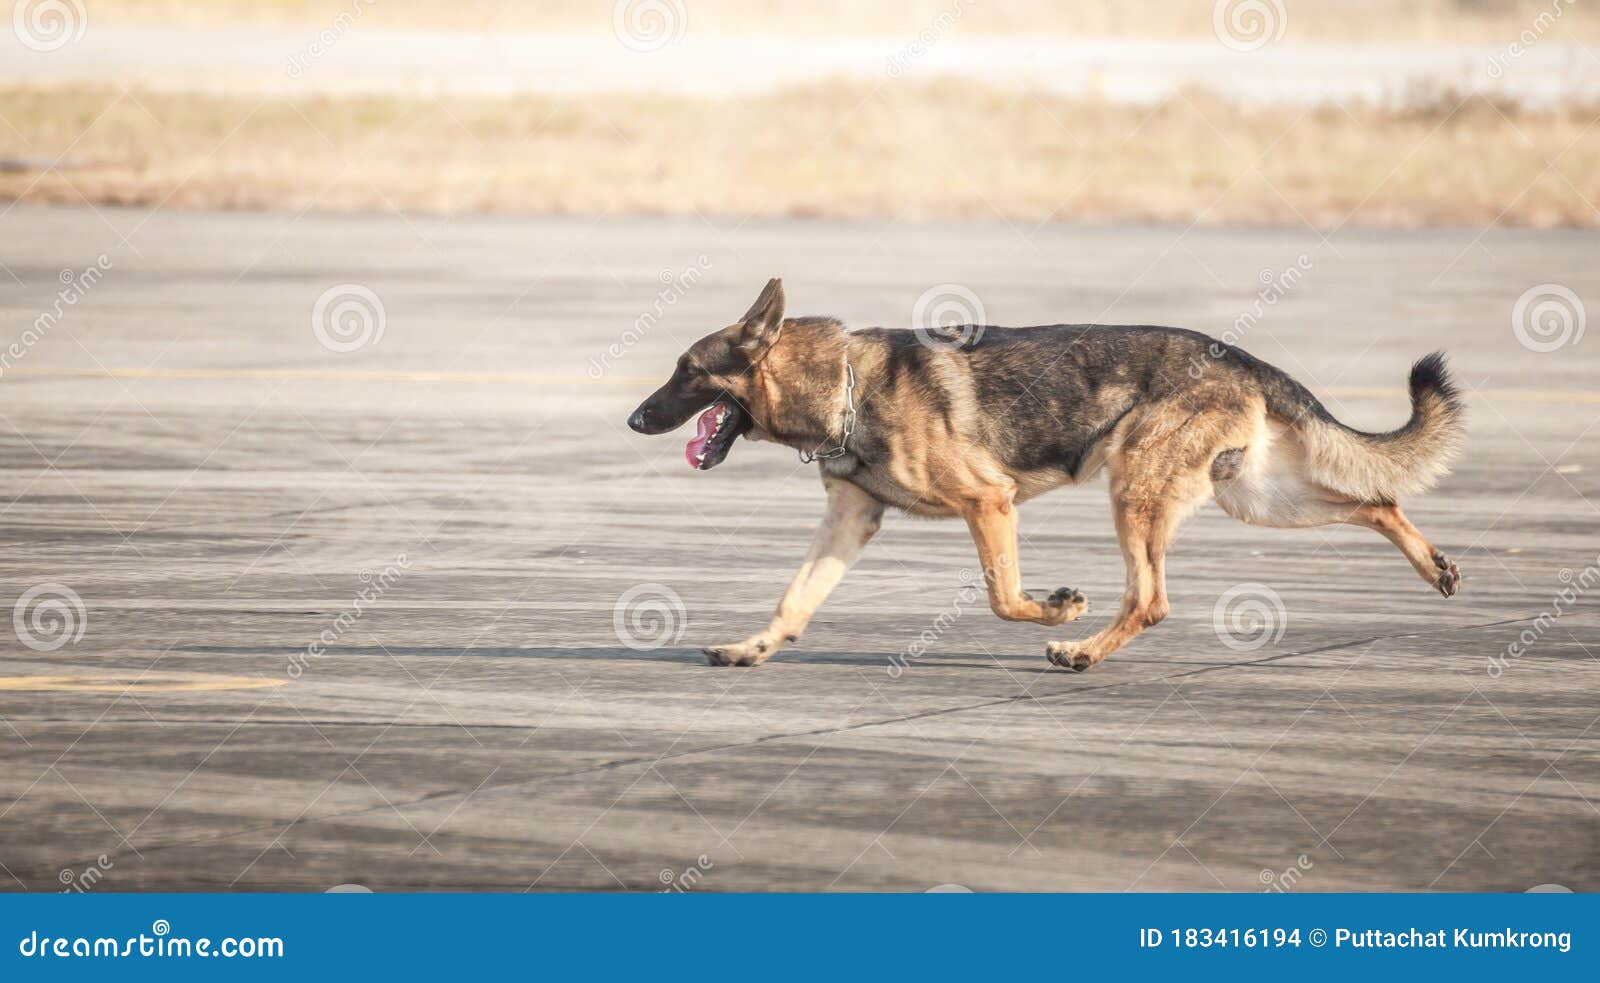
(976,424)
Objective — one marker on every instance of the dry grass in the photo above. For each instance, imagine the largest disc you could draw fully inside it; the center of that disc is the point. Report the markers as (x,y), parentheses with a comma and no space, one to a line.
(941,150)
(1424,21)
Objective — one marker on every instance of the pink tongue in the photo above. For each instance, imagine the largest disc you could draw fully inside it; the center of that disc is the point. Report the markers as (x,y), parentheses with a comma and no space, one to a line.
(707,426)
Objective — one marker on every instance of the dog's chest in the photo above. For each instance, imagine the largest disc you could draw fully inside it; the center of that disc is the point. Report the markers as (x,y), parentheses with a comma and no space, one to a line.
(879,482)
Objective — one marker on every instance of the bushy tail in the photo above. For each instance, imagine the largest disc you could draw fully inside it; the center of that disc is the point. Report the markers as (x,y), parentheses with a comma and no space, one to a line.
(1380,467)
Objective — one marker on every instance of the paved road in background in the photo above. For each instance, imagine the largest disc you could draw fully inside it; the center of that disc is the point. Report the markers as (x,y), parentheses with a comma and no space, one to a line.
(674,57)
(291,617)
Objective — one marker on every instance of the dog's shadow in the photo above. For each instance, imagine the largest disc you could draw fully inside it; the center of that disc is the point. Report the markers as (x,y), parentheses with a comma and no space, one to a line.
(674,655)
(693,656)
(856,660)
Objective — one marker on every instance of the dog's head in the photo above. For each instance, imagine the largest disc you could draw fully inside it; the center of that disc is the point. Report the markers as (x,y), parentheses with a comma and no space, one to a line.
(714,376)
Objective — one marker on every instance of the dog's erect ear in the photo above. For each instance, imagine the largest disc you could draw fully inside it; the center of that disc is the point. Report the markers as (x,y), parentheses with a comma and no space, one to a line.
(761,324)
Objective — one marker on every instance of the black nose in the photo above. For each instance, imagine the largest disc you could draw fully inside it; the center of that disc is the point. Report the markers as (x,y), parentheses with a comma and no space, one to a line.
(636,421)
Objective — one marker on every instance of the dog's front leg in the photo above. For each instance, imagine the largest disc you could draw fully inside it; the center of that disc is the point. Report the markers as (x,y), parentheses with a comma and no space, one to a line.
(852,518)
(993,521)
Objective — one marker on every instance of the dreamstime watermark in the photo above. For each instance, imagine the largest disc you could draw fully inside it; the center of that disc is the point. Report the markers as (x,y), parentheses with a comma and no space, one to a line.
(1248,616)
(48,25)
(75,285)
(674,287)
(1246,25)
(1501,61)
(375,585)
(1283,881)
(684,881)
(48,616)
(926,38)
(1548,316)
(948,316)
(160,943)
(326,38)
(1274,287)
(82,882)
(649,616)
(973,589)
(649,25)
(348,317)
(1577,584)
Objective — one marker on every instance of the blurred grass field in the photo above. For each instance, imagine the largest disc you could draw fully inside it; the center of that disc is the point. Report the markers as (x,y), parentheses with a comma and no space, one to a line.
(937,149)
(906,151)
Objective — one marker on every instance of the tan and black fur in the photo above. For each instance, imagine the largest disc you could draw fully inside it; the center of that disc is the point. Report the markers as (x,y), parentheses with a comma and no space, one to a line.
(972,429)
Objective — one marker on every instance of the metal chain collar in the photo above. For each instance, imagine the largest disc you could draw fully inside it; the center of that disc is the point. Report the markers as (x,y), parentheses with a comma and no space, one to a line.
(849,421)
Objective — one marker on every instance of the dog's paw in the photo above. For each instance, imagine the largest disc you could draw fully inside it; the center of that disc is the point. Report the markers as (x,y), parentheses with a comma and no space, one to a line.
(1069,655)
(1066,604)
(751,652)
(1449,579)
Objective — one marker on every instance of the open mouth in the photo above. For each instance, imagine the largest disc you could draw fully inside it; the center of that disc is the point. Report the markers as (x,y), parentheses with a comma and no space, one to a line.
(719,426)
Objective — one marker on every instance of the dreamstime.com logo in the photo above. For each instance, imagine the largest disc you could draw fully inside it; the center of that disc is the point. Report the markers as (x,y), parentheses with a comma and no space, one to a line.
(1282,882)
(936,29)
(1547,317)
(947,317)
(1274,287)
(1575,585)
(1248,616)
(48,616)
(1500,62)
(84,881)
(75,286)
(48,25)
(674,287)
(326,38)
(159,944)
(649,616)
(971,591)
(684,881)
(373,587)
(348,317)
(649,25)
(1246,25)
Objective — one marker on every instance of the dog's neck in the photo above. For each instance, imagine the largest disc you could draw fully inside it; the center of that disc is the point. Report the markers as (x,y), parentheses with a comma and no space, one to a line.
(798,389)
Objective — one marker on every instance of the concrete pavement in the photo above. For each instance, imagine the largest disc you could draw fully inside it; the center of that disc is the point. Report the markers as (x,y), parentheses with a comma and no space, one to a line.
(352,616)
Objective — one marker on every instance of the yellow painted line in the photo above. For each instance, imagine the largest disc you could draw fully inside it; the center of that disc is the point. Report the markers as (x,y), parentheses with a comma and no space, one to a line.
(535,378)
(117,684)
(333,375)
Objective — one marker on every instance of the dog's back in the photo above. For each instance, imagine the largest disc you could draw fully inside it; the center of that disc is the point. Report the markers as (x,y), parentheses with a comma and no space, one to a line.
(1048,399)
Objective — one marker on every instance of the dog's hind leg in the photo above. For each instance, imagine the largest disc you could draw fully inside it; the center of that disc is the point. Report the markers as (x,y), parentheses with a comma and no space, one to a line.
(993,522)
(1160,473)
(1436,569)
(852,518)
(1270,486)
(1144,531)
